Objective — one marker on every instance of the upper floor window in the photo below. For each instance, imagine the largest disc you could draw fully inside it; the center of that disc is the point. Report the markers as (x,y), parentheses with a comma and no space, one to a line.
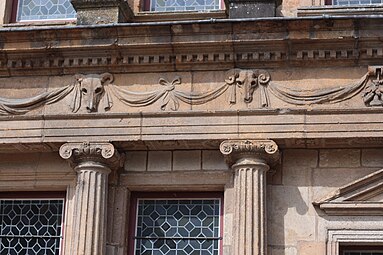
(181,5)
(40,10)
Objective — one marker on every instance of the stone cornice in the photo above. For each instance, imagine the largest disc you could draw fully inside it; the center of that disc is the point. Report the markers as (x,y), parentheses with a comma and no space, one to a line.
(94,152)
(263,151)
(217,45)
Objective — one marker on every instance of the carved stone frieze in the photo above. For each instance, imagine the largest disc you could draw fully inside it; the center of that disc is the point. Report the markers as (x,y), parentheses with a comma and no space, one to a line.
(262,150)
(102,153)
(95,92)
(372,95)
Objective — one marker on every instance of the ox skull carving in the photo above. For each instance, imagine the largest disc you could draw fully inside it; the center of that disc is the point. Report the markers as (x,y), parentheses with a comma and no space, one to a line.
(92,89)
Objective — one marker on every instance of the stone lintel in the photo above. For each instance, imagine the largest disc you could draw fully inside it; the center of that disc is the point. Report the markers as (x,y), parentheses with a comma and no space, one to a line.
(102,11)
(250,152)
(86,153)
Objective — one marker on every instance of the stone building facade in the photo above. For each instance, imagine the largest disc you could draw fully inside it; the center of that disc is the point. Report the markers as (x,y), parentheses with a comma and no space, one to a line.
(253,129)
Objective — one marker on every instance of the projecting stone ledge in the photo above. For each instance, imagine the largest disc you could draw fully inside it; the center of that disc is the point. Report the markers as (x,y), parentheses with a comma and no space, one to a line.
(102,11)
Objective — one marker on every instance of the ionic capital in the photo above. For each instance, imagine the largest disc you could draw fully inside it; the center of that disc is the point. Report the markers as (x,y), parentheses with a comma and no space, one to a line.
(248,151)
(91,153)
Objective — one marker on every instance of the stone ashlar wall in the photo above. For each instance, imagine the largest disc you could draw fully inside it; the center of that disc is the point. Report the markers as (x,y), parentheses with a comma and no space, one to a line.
(295,226)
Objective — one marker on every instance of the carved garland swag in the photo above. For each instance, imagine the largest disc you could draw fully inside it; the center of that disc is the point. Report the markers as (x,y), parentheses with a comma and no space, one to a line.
(95,91)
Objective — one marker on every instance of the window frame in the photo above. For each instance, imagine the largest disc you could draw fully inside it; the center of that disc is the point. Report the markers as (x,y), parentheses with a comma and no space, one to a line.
(41,195)
(360,248)
(337,239)
(145,7)
(15,8)
(135,196)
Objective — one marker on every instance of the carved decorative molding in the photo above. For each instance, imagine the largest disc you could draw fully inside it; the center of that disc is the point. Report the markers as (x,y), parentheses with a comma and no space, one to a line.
(266,150)
(85,152)
(145,63)
(96,91)
(352,236)
(361,197)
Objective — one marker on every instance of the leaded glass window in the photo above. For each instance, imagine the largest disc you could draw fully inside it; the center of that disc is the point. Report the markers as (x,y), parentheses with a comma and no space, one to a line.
(30,226)
(33,10)
(184,5)
(178,227)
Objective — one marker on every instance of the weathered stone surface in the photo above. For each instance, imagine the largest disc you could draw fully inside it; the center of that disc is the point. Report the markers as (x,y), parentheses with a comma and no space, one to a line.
(213,160)
(372,157)
(312,248)
(298,172)
(289,219)
(136,161)
(176,180)
(159,161)
(250,9)
(20,172)
(187,160)
(102,11)
(341,157)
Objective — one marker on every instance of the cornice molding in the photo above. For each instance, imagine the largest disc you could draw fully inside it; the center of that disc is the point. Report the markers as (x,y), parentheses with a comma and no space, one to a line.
(217,45)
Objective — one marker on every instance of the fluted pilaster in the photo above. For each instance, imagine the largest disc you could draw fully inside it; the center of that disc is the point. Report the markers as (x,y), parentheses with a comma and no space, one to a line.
(250,159)
(93,162)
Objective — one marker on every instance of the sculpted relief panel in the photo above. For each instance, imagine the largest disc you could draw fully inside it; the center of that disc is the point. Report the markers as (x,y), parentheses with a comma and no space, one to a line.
(97,92)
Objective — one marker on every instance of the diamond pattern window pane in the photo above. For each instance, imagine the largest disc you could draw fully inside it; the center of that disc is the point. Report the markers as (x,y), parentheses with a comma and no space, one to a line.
(184,5)
(178,227)
(29,10)
(30,227)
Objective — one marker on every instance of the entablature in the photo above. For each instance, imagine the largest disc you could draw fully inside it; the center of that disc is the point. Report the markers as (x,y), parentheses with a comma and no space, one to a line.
(191,45)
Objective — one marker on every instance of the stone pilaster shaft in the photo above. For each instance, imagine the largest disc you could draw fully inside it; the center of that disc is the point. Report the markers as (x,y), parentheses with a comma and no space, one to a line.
(250,161)
(93,163)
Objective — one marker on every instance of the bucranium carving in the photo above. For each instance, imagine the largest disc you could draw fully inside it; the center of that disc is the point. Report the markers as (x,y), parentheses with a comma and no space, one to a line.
(91,91)
(250,80)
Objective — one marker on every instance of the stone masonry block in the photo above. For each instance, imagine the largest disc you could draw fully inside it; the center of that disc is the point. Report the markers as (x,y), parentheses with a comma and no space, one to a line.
(160,161)
(289,220)
(297,165)
(213,160)
(312,248)
(135,161)
(372,157)
(339,158)
(282,251)
(187,160)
